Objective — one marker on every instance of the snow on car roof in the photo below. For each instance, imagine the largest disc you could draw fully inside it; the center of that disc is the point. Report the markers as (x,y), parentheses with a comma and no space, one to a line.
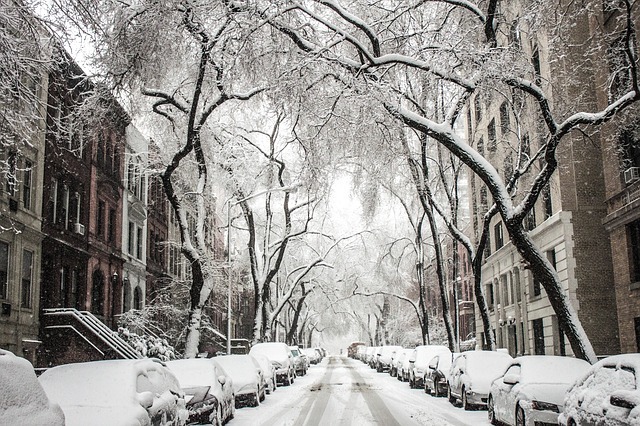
(193,372)
(273,350)
(487,363)
(551,369)
(241,368)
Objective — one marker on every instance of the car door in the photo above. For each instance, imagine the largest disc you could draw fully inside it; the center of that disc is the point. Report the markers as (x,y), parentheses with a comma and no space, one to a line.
(456,371)
(505,403)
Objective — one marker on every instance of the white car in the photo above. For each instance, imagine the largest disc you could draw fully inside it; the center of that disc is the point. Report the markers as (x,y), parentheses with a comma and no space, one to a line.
(208,389)
(268,371)
(419,360)
(383,363)
(404,365)
(116,392)
(22,399)
(532,390)
(437,375)
(471,375)
(608,394)
(249,386)
(280,356)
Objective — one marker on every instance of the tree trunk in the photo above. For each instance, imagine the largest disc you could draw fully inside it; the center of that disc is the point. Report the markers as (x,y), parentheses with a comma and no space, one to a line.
(543,271)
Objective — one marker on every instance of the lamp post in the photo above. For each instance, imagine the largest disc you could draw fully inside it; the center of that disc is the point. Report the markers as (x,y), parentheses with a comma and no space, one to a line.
(230,204)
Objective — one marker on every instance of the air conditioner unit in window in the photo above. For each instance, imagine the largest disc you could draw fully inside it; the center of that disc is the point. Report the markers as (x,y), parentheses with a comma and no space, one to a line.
(632,174)
(78,228)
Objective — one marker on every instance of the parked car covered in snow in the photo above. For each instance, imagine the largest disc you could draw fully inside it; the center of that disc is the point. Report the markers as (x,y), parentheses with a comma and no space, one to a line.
(393,366)
(532,389)
(280,356)
(383,361)
(299,362)
(404,365)
(249,385)
(22,399)
(419,362)
(437,375)
(312,355)
(208,389)
(471,375)
(268,371)
(608,394)
(116,392)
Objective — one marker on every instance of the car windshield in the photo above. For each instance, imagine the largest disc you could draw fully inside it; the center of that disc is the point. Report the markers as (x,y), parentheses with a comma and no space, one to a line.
(193,372)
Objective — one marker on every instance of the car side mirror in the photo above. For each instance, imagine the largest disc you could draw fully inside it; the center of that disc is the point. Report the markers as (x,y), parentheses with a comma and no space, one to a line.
(222,380)
(511,379)
(412,360)
(622,399)
(145,399)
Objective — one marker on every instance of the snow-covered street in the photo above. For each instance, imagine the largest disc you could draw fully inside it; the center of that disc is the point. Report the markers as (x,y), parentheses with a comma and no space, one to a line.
(343,391)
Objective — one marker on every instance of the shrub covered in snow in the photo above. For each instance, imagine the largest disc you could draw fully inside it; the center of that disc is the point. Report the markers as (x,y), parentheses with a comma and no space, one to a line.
(148,346)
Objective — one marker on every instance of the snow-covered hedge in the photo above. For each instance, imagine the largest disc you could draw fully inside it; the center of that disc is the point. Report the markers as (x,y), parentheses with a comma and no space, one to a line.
(148,346)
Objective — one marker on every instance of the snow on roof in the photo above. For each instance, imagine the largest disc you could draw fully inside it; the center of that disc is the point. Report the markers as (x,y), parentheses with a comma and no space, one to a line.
(22,399)
(551,369)
(275,351)
(193,372)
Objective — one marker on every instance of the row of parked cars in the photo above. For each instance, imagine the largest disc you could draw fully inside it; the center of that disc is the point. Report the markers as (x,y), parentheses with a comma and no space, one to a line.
(147,391)
(526,390)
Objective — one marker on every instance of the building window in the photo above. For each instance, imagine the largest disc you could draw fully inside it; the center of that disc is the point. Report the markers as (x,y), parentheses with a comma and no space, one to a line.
(112,225)
(504,118)
(490,299)
(131,237)
(100,220)
(530,220)
(27,180)
(551,257)
(497,232)
(629,153)
(492,142)
(12,178)
(633,231)
(536,288)
(538,336)
(27,277)
(4,270)
(53,197)
(139,243)
(137,298)
(548,205)
(97,293)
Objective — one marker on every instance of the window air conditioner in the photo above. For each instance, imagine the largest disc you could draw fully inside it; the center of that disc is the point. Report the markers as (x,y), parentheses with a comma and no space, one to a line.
(632,174)
(78,228)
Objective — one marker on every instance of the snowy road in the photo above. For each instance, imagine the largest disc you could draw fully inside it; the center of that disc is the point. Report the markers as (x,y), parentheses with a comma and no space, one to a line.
(343,392)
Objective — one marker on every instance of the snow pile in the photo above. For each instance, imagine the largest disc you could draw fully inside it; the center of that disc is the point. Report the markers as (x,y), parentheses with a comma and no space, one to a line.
(22,399)
(148,346)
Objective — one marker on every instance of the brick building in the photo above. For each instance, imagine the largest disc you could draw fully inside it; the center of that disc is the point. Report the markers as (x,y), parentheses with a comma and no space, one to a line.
(566,222)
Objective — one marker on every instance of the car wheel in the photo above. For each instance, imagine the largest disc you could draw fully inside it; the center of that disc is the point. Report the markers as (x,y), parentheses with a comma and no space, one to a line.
(491,413)
(232,408)
(571,422)
(519,416)
(436,389)
(288,380)
(426,388)
(263,395)
(465,404)
(256,400)
(452,400)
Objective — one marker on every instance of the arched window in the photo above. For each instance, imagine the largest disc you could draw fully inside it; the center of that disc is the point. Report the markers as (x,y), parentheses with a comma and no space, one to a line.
(97,293)
(137,298)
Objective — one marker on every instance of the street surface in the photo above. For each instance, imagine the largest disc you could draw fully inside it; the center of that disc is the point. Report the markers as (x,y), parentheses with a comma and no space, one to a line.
(343,392)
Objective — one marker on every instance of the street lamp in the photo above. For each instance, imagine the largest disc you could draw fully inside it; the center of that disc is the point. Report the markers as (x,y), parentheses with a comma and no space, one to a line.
(230,204)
